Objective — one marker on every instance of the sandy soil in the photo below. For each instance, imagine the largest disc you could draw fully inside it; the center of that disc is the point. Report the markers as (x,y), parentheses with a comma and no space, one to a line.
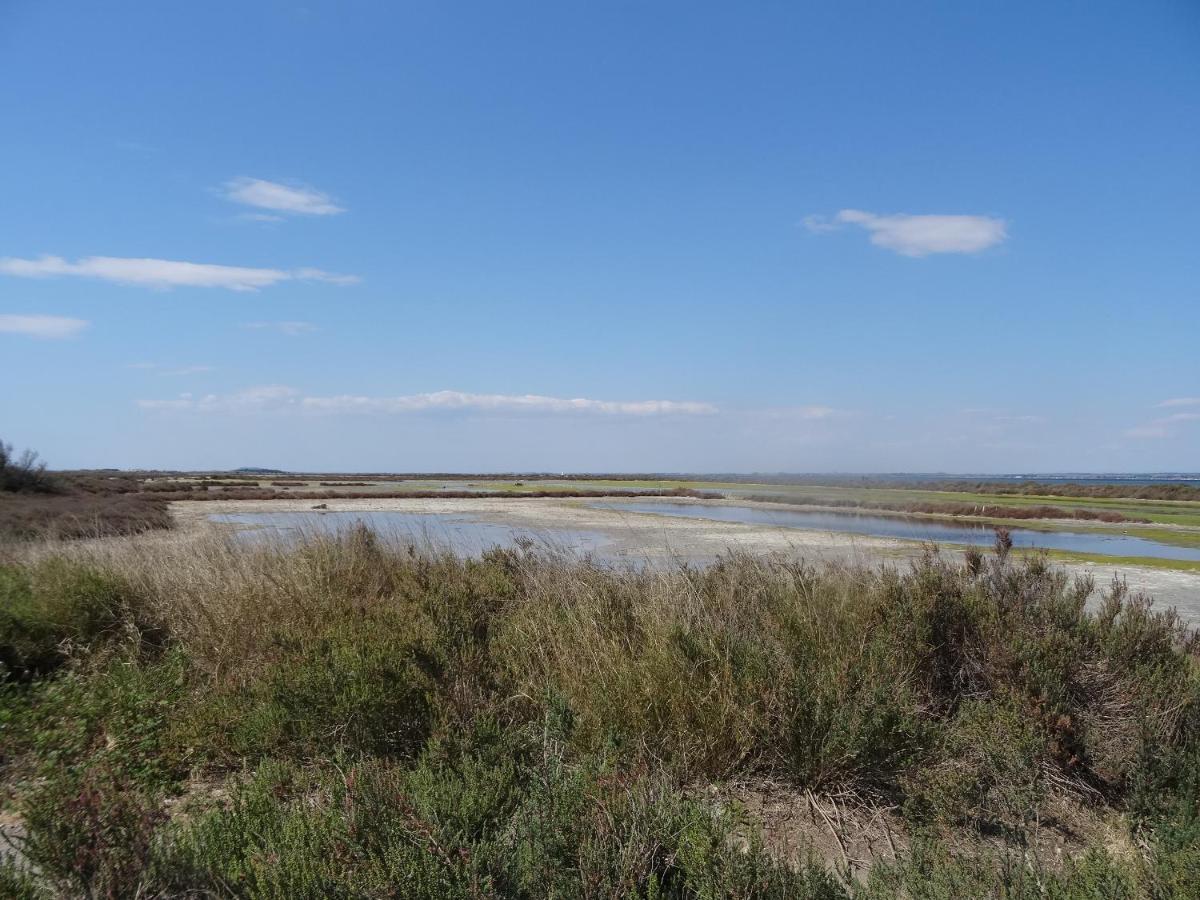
(643,537)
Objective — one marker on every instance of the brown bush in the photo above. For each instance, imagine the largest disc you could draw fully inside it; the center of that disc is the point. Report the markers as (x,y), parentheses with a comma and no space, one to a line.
(984,510)
(80,515)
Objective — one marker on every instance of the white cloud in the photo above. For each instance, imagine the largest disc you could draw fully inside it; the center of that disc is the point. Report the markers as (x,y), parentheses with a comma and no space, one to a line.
(309,274)
(502,403)
(42,326)
(163,273)
(912,235)
(278,397)
(291,329)
(1180,401)
(281,197)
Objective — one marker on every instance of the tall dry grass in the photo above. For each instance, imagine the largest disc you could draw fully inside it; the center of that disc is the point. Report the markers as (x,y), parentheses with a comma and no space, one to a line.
(827,675)
(469,697)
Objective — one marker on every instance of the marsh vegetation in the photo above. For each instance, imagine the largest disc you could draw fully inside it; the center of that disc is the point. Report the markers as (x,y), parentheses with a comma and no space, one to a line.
(343,718)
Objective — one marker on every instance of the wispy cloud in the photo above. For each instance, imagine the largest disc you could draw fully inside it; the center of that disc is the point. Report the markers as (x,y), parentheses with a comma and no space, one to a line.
(1019,420)
(1164,427)
(503,403)
(164,273)
(56,327)
(285,198)
(279,397)
(169,370)
(918,235)
(1002,417)
(291,329)
(807,413)
(271,396)
(1180,401)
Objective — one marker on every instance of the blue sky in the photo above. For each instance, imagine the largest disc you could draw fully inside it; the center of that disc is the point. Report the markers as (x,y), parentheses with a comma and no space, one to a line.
(658,236)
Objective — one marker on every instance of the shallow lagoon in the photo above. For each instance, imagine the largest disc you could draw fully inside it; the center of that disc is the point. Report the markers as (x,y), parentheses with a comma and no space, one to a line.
(461,534)
(471,535)
(913,529)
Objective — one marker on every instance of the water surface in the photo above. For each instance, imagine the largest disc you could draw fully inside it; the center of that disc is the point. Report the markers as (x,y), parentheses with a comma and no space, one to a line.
(912,529)
(463,535)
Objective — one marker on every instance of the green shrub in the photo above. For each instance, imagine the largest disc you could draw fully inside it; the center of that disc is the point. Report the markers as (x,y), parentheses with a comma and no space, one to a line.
(90,832)
(853,710)
(99,762)
(986,772)
(485,816)
(932,872)
(519,725)
(55,609)
(17,882)
(119,717)
(363,687)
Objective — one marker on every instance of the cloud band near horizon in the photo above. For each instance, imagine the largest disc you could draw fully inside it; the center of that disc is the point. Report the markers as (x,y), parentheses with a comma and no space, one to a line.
(282,398)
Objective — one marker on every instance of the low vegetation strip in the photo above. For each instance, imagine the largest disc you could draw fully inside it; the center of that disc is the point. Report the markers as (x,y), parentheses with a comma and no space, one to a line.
(230,493)
(1160,491)
(37,504)
(982,510)
(346,719)
(72,516)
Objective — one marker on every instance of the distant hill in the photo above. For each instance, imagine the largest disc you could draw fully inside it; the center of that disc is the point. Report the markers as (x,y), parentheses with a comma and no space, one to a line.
(254,470)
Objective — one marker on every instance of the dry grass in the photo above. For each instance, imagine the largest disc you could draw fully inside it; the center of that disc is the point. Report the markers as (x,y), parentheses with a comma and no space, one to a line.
(831,674)
(975,702)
